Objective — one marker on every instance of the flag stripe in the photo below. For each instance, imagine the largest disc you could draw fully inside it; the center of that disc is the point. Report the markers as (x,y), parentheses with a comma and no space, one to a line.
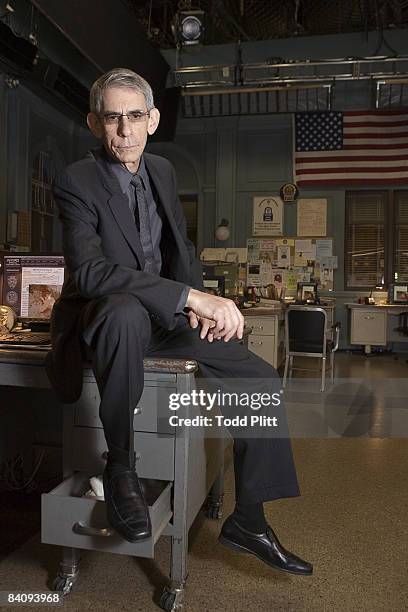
(361,169)
(374,125)
(375,115)
(351,181)
(383,159)
(349,152)
(384,147)
(362,175)
(369,147)
(384,138)
(375,130)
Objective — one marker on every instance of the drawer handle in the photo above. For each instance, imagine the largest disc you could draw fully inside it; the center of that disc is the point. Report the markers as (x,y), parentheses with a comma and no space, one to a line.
(368,317)
(82,529)
(259,342)
(137,410)
(105,455)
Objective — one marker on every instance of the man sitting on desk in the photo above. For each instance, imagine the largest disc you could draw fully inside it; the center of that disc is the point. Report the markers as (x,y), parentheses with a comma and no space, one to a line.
(134,289)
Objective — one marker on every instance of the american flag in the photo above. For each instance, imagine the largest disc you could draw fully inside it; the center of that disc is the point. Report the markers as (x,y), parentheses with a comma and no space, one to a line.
(350,148)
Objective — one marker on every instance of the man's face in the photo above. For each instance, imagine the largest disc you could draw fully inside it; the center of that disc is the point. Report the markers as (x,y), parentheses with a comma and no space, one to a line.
(124,140)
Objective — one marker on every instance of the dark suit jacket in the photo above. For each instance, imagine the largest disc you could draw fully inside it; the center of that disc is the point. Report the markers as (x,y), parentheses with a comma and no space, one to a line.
(103,255)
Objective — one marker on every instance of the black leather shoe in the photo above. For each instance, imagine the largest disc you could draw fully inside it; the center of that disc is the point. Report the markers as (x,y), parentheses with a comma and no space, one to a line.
(265,546)
(126,508)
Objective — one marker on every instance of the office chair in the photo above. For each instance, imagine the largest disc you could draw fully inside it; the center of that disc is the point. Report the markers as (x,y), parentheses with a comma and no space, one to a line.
(307,335)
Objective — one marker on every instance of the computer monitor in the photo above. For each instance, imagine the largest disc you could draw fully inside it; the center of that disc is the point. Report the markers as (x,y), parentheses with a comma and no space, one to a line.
(31,283)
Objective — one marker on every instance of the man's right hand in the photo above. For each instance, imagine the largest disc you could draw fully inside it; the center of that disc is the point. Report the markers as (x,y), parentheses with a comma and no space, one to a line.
(228,319)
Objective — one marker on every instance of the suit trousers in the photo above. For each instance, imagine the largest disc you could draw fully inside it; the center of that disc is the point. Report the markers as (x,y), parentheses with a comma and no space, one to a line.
(118,333)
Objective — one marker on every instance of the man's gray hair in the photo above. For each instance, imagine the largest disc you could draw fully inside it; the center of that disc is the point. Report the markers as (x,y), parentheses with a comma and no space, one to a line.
(119,77)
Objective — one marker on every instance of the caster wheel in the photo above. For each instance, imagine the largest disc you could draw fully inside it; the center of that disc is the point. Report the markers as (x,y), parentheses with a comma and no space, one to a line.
(213,507)
(64,584)
(171,601)
(213,512)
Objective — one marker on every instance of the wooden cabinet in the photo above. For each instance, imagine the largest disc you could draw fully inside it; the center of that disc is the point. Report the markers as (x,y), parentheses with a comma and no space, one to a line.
(267,339)
(368,327)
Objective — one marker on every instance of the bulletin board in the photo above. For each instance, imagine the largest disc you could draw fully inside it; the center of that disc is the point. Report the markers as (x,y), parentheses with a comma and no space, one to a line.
(286,260)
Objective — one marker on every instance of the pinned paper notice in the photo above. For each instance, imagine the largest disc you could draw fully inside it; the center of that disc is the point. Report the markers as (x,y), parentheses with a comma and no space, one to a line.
(324,247)
(329,262)
(305,251)
(283,256)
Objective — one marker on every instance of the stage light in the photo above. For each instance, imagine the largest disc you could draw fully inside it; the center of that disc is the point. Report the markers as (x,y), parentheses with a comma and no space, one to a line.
(188,28)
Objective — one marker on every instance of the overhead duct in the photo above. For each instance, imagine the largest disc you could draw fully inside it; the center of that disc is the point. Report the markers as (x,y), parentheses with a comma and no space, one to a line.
(109,36)
(19,57)
(16,53)
(61,83)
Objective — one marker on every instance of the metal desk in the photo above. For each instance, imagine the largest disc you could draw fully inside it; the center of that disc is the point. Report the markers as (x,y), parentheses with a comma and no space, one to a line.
(370,324)
(178,470)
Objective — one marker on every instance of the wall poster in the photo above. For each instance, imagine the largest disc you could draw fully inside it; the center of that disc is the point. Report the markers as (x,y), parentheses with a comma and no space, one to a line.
(267,216)
(312,217)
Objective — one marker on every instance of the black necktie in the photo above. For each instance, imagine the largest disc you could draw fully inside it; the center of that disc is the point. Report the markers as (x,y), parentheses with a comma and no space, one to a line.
(144,225)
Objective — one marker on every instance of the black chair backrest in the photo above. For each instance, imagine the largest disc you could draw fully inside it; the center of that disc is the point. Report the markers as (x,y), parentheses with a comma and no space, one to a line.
(306,330)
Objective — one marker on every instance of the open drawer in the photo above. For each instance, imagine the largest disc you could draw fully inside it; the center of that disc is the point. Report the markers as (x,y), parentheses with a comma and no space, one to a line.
(69,519)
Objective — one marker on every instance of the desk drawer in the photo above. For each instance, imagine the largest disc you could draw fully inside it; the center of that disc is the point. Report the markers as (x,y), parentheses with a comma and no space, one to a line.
(66,518)
(263,346)
(151,414)
(368,327)
(261,325)
(154,453)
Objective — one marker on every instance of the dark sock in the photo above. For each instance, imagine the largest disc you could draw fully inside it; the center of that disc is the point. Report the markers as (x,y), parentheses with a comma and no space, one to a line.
(115,466)
(250,516)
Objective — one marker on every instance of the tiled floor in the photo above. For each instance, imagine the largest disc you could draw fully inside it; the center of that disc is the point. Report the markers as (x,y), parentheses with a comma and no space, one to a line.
(350,520)
(367,398)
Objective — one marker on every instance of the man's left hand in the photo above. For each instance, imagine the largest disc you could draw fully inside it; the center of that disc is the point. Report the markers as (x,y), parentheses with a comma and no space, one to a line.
(206,325)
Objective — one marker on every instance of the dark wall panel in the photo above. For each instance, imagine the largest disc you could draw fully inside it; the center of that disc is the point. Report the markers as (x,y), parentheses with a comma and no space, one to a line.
(168,105)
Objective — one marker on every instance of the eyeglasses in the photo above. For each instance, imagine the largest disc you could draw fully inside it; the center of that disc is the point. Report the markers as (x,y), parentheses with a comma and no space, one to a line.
(133,117)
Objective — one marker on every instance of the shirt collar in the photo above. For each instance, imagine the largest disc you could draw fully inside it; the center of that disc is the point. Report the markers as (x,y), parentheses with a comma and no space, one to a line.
(124,176)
